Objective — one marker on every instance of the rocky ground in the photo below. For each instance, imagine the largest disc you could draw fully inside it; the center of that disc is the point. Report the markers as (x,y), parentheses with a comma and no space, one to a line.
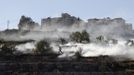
(49,65)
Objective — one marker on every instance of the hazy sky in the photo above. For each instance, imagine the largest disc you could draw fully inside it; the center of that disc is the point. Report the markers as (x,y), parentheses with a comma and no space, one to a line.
(37,9)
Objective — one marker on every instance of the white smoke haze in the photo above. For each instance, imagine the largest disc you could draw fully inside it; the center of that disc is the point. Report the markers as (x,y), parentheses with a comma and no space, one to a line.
(112,30)
(34,35)
(26,48)
(88,50)
(94,49)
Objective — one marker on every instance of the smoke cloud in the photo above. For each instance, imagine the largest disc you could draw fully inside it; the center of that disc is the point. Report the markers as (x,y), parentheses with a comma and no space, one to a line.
(61,27)
(94,49)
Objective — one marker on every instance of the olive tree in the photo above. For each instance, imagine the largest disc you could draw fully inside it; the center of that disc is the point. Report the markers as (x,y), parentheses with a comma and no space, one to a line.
(85,36)
(80,36)
(76,36)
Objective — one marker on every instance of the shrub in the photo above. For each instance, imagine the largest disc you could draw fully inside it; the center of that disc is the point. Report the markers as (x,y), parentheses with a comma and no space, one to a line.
(62,41)
(6,50)
(43,47)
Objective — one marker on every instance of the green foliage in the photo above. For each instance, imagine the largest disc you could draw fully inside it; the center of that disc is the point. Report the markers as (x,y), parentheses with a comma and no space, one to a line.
(26,22)
(85,36)
(80,37)
(43,47)
(62,41)
(100,38)
(78,55)
(76,36)
(6,50)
